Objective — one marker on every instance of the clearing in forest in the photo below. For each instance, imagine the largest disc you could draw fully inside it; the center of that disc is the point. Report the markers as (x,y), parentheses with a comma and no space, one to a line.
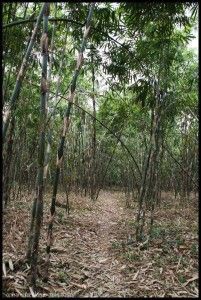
(94,254)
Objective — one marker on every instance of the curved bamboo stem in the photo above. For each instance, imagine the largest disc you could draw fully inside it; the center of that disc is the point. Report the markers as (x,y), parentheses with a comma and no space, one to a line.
(63,136)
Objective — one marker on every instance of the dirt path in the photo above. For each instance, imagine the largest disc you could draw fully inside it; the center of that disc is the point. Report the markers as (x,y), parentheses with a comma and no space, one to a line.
(93,270)
(106,276)
(89,257)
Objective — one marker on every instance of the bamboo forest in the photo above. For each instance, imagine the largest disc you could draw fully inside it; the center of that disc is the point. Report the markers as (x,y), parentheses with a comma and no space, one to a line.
(100,149)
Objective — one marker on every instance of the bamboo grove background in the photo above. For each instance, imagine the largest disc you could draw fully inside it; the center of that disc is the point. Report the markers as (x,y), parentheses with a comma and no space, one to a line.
(98,96)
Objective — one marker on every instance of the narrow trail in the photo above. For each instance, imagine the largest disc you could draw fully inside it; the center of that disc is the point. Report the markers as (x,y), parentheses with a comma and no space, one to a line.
(106,274)
(90,257)
(92,267)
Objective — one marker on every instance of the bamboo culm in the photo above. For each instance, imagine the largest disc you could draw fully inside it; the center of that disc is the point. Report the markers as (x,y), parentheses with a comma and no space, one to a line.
(64,131)
(21,74)
(37,212)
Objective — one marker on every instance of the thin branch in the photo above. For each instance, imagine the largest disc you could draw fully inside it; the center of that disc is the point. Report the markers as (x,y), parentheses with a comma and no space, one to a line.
(21,22)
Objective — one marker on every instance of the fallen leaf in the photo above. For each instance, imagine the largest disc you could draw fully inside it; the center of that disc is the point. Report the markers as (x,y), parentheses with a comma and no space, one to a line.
(32,293)
(11,264)
(4,268)
(136,275)
(12,246)
(103,260)
(123,267)
(183,247)
(82,286)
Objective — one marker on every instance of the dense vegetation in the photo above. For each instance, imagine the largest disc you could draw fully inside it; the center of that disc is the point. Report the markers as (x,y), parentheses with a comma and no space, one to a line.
(98,96)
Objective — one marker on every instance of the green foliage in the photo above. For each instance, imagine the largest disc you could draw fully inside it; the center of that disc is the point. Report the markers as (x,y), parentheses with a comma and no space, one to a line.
(182,278)
(194,249)
(61,217)
(63,277)
(145,91)
(131,256)
(135,47)
(158,232)
(116,245)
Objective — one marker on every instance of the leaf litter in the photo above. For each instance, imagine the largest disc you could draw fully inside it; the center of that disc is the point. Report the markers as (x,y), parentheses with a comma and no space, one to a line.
(91,256)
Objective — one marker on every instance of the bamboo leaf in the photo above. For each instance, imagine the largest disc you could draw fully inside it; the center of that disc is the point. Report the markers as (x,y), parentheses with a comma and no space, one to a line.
(4,268)
(11,264)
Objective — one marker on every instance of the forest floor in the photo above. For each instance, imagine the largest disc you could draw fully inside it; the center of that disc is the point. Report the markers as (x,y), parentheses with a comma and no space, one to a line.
(91,255)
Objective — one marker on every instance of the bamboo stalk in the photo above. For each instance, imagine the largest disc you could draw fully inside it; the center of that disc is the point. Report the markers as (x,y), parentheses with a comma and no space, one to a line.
(21,74)
(37,212)
(66,124)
